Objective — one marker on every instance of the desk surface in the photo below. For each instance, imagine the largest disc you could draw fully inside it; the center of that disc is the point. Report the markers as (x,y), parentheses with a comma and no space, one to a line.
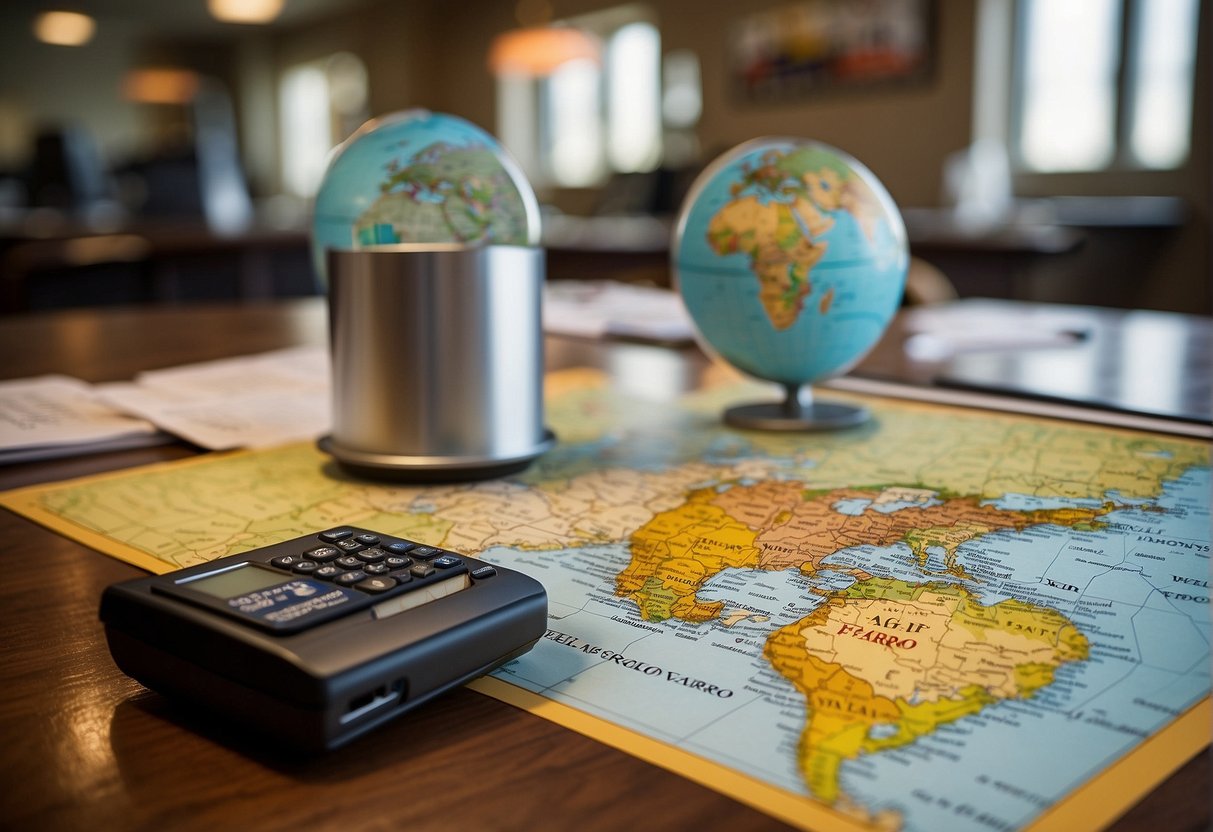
(88,748)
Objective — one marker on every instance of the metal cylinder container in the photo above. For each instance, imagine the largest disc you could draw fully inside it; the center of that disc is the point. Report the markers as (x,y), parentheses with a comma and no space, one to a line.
(437,355)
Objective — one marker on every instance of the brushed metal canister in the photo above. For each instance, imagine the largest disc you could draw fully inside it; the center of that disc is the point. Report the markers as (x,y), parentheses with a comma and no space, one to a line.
(437,355)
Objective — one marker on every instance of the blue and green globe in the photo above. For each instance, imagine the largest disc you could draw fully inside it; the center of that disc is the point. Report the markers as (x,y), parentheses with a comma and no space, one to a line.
(791,259)
(422,177)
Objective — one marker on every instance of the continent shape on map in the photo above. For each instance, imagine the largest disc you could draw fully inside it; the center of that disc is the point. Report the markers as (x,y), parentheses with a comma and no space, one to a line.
(778,524)
(896,676)
(778,217)
(444,192)
(885,662)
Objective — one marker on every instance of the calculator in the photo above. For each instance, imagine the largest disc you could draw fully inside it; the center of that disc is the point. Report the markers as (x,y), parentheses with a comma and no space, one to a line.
(320,639)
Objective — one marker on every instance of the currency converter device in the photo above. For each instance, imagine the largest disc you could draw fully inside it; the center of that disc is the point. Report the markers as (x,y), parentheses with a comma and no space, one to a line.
(317,640)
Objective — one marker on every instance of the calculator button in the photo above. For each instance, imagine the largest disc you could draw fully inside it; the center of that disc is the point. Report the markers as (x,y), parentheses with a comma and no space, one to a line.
(397,561)
(349,545)
(422,570)
(350,578)
(367,539)
(348,562)
(402,576)
(399,547)
(371,555)
(376,569)
(286,561)
(376,584)
(333,535)
(305,567)
(483,572)
(326,572)
(323,554)
(424,552)
(446,562)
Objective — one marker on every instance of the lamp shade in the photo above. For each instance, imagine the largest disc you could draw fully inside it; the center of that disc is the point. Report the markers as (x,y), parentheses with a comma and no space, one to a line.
(539,50)
(245,11)
(64,28)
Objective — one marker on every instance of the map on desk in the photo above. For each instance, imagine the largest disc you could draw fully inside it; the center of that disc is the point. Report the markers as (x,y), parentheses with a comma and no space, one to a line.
(945,619)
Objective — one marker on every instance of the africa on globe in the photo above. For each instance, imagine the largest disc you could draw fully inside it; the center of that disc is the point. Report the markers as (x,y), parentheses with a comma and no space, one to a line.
(791,259)
(418,177)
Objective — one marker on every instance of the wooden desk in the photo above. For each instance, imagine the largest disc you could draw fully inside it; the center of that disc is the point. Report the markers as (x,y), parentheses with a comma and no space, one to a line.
(86,748)
(66,265)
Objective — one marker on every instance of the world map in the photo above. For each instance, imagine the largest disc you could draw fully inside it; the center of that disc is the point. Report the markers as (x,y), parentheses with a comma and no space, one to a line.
(946,619)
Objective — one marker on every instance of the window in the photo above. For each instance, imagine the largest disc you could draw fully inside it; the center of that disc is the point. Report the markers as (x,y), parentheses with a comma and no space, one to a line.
(633,82)
(581,119)
(1161,93)
(1104,84)
(320,103)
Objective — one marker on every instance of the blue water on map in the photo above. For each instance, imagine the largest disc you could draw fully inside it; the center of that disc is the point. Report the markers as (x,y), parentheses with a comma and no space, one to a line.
(1134,589)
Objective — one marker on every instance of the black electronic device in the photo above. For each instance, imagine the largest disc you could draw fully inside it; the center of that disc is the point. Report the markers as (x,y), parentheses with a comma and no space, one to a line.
(319,639)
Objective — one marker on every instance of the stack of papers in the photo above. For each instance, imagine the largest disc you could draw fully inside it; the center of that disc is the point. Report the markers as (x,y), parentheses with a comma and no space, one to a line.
(601,309)
(55,415)
(253,401)
(248,402)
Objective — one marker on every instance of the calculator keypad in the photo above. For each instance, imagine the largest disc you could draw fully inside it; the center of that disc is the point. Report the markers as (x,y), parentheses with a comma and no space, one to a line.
(323,554)
(372,563)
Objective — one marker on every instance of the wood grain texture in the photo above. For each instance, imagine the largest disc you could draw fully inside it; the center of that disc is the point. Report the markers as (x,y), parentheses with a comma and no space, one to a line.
(82,747)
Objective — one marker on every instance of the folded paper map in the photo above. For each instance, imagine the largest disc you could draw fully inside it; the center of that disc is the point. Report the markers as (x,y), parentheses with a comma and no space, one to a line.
(946,619)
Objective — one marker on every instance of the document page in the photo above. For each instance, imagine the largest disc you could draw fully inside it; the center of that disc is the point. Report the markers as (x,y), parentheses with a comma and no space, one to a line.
(247,402)
(55,415)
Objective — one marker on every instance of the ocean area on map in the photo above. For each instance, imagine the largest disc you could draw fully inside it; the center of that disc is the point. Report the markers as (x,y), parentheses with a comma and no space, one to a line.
(764,712)
(1131,584)
(1137,589)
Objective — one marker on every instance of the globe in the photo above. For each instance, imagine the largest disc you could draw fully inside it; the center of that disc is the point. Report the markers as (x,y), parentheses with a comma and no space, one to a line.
(791,259)
(419,177)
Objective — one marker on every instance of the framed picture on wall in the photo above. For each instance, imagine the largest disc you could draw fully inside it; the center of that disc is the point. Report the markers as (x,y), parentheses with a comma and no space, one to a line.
(807,47)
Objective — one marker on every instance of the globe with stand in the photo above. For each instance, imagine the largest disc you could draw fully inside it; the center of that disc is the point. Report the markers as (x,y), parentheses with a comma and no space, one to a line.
(791,259)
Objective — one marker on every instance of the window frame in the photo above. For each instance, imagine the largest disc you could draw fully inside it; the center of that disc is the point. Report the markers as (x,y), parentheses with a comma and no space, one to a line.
(536,159)
(1123,167)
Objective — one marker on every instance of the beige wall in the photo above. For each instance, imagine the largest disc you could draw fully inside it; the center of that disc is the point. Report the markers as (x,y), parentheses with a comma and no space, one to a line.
(903,133)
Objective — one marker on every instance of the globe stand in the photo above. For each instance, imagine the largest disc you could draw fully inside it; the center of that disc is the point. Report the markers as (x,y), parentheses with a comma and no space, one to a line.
(798,411)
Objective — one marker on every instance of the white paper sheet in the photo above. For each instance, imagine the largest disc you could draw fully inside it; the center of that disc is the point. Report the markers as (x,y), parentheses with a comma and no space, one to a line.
(245,402)
(55,415)
(600,309)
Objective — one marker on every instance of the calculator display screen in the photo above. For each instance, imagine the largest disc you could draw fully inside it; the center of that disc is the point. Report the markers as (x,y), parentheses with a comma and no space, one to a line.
(232,582)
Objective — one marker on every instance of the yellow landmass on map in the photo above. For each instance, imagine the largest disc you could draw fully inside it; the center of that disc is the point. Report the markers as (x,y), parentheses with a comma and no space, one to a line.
(781,255)
(973,452)
(885,662)
(778,524)
(675,552)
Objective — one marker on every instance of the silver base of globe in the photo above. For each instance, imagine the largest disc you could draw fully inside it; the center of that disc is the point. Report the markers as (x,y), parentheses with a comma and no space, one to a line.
(797,412)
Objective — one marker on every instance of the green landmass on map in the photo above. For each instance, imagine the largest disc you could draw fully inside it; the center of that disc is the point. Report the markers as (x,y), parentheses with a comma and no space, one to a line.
(445,194)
